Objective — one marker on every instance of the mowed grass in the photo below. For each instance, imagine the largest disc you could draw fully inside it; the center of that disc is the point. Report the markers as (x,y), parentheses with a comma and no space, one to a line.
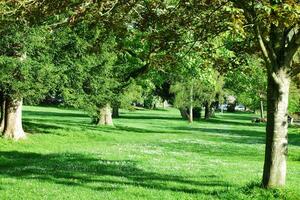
(146,155)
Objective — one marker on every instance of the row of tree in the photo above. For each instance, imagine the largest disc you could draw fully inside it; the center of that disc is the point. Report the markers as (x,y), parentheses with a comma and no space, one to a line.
(102,54)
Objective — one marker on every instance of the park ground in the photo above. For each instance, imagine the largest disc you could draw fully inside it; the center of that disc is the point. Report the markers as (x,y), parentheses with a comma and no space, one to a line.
(146,155)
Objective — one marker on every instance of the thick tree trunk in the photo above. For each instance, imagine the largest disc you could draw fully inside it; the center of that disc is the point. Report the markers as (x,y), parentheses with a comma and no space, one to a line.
(274,174)
(262,109)
(207,111)
(13,119)
(105,116)
(197,113)
(115,112)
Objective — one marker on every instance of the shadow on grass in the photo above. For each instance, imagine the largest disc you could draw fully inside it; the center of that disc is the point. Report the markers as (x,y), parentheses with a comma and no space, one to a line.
(149,117)
(238,116)
(81,170)
(71,121)
(233,122)
(143,130)
(210,149)
(33,128)
(49,126)
(54,114)
(239,135)
(234,135)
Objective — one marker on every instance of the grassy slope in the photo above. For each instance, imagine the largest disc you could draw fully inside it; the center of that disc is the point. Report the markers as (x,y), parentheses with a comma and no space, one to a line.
(147,155)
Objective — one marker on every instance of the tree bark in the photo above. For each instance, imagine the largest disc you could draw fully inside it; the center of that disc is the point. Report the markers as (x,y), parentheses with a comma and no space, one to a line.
(262,109)
(217,101)
(183,112)
(191,105)
(13,119)
(165,103)
(105,116)
(2,110)
(212,111)
(115,112)
(197,113)
(207,111)
(274,174)
(191,114)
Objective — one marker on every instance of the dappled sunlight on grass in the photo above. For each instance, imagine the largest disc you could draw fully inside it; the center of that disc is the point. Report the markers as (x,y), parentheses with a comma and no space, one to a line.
(146,155)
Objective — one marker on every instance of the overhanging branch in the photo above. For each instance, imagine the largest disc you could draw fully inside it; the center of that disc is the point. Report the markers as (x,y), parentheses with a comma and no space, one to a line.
(295,70)
(293,47)
(264,48)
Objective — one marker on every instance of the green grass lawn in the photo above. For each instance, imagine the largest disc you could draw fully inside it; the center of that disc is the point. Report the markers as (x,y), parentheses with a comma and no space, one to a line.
(147,155)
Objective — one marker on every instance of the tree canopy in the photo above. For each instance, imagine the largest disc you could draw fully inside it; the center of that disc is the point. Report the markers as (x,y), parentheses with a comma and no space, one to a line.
(108,54)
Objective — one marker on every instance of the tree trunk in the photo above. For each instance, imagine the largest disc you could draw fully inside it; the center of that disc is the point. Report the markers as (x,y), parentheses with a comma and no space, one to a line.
(211,111)
(2,117)
(231,107)
(105,116)
(183,112)
(191,114)
(207,110)
(274,174)
(191,105)
(217,101)
(262,109)
(115,112)
(165,104)
(13,119)
(197,113)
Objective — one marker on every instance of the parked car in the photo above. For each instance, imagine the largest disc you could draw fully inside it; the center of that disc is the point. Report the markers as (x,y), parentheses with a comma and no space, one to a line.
(240,107)
(223,107)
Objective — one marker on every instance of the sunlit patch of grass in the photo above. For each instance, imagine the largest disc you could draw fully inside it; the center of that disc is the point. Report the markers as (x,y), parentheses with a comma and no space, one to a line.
(146,155)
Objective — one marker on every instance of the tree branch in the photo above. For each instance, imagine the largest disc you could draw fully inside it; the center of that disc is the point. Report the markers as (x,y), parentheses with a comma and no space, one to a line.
(295,70)
(110,9)
(135,74)
(264,49)
(293,47)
